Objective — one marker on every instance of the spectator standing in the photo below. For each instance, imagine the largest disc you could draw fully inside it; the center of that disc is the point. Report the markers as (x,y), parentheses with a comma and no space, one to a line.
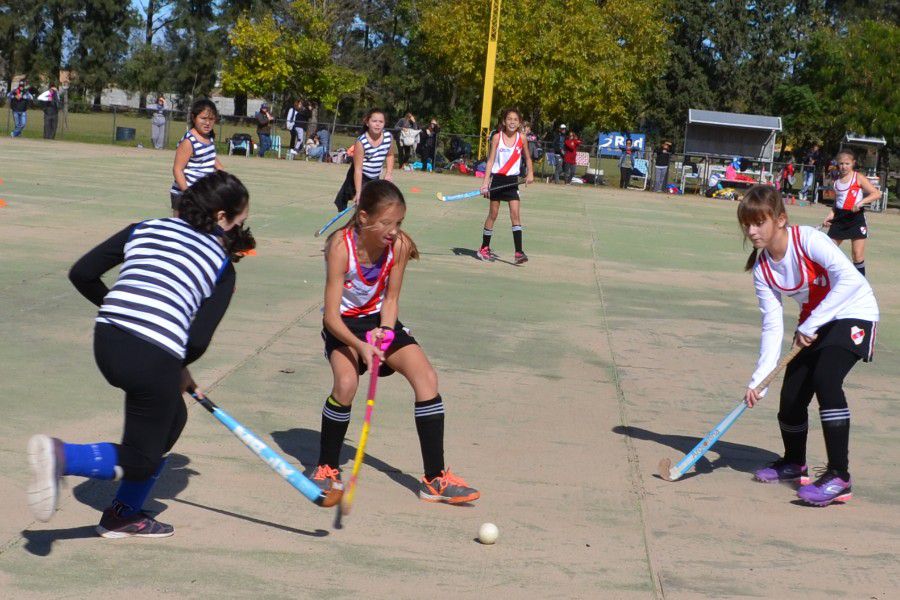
(661,177)
(787,176)
(810,162)
(559,149)
(158,124)
(428,145)
(570,158)
(292,125)
(407,137)
(51,102)
(626,164)
(18,103)
(264,120)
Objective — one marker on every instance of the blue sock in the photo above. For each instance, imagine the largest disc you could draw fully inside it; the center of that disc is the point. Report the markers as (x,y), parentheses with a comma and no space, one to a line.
(133,494)
(97,461)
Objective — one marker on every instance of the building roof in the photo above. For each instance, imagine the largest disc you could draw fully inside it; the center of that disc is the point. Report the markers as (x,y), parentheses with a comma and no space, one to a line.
(738,120)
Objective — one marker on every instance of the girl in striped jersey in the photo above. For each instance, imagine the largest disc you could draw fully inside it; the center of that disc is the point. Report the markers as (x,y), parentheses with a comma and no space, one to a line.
(500,181)
(195,156)
(371,153)
(365,263)
(838,316)
(847,220)
(173,288)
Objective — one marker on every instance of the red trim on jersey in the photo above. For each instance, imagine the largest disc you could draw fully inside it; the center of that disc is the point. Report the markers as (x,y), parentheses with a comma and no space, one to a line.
(514,157)
(814,273)
(852,195)
(381,281)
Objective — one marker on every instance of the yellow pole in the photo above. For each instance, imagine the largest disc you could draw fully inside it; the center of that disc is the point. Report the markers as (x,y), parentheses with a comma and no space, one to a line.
(488,96)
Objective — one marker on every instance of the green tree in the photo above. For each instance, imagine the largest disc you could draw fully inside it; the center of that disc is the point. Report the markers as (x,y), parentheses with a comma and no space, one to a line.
(196,47)
(854,77)
(146,70)
(101,31)
(288,58)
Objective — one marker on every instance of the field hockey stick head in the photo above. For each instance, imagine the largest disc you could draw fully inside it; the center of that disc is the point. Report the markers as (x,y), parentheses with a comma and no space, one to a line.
(330,497)
(439,196)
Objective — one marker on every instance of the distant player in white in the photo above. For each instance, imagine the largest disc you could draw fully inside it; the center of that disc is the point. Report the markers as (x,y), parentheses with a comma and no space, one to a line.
(501,181)
(836,328)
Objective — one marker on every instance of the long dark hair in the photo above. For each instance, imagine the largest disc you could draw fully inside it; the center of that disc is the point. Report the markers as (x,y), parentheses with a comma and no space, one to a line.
(368,116)
(375,197)
(198,107)
(219,191)
(758,204)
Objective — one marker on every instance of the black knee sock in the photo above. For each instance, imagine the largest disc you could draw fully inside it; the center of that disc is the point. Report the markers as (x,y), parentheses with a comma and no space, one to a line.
(486,238)
(335,420)
(836,427)
(517,237)
(794,438)
(430,425)
(861,267)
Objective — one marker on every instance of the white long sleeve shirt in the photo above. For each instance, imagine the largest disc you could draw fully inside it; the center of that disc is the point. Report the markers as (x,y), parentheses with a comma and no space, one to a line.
(822,280)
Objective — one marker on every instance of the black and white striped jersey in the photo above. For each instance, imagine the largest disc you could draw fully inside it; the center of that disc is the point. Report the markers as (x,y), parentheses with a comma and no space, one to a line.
(170,268)
(201,163)
(374,156)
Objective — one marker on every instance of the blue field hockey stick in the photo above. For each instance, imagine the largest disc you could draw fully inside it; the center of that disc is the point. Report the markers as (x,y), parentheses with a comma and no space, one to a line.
(334,219)
(670,473)
(284,469)
(472,194)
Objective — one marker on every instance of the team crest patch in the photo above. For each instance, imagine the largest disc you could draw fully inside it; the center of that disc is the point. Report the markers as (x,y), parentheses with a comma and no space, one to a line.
(862,230)
(857,335)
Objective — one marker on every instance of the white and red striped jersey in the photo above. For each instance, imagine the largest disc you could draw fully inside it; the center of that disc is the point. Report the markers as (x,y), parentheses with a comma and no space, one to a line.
(508,159)
(822,280)
(363,296)
(846,195)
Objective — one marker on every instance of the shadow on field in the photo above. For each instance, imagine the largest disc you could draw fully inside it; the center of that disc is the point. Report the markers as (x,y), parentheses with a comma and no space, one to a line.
(303,444)
(473,254)
(40,543)
(739,457)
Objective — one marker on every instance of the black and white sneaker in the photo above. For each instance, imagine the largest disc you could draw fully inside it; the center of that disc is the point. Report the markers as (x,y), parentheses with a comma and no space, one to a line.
(140,524)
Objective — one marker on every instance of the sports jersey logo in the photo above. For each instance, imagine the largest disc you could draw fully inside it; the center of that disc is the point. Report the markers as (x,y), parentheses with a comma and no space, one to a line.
(348,285)
(820,281)
(862,230)
(857,335)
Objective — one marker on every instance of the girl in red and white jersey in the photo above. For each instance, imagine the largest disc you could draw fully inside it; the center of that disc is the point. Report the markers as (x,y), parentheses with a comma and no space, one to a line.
(847,220)
(365,264)
(508,146)
(838,316)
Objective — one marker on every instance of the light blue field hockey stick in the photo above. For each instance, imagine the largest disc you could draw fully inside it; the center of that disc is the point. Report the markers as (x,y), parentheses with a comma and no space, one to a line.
(670,473)
(272,458)
(472,194)
(334,219)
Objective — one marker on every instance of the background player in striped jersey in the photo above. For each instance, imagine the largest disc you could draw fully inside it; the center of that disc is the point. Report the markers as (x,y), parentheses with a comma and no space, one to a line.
(847,219)
(195,156)
(838,315)
(174,287)
(365,264)
(505,158)
(372,151)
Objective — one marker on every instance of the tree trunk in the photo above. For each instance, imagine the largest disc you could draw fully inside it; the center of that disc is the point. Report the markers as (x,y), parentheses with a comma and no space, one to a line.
(240,105)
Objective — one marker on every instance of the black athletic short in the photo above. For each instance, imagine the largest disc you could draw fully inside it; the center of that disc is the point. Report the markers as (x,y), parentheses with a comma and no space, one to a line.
(855,335)
(507,193)
(359,326)
(848,225)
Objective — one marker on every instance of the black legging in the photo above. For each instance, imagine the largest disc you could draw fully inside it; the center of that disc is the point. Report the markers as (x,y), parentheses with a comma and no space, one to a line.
(624,177)
(819,371)
(155,413)
(404,154)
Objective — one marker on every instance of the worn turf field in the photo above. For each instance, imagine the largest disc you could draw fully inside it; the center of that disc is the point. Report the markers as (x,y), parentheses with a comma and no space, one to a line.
(630,333)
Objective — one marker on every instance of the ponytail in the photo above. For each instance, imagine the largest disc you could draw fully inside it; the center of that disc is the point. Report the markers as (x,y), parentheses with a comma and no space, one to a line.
(751,260)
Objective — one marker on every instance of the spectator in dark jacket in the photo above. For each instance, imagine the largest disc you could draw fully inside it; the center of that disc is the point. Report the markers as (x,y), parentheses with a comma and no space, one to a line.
(51,102)
(559,149)
(626,164)
(662,167)
(810,161)
(428,145)
(264,120)
(18,104)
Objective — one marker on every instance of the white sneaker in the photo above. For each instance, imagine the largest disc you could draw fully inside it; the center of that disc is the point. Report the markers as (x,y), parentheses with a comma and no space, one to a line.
(47,459)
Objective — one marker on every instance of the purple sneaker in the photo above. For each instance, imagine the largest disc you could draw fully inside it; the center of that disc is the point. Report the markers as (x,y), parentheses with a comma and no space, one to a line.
(828,488)
(114,525)
(781,470)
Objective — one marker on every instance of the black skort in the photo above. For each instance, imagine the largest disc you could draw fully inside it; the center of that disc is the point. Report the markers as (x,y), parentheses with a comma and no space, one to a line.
(360,326)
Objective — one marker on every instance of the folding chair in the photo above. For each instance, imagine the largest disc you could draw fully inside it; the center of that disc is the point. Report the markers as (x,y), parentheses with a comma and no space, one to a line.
(640,172)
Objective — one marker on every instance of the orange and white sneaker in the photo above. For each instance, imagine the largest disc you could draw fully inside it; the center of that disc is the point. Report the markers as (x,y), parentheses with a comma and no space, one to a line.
(447,487)
(327,478)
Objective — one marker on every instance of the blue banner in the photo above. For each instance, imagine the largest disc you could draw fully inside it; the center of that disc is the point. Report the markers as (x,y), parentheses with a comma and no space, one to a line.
(612,143)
